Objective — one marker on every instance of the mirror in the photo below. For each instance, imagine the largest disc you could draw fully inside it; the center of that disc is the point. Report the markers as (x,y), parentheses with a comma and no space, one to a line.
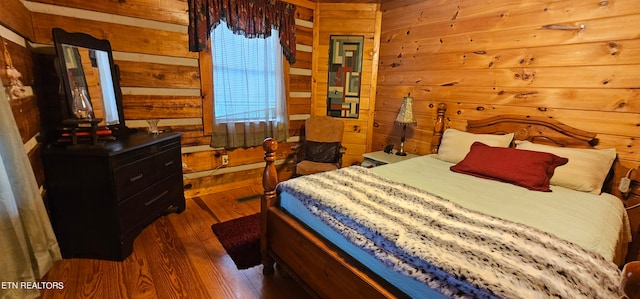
(89,77)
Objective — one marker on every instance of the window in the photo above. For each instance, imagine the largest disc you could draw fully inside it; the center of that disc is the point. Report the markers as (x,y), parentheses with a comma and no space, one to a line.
(247,76)
(249,99)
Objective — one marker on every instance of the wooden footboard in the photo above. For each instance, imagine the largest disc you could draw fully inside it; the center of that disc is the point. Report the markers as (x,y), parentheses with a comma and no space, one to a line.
(320,267)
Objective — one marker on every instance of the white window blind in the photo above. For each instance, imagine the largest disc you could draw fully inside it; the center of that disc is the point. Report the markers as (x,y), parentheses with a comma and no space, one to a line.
(247,76)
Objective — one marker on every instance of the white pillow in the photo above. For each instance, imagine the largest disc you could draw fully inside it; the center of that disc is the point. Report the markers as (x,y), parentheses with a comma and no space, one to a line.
(587,168)
(455,144)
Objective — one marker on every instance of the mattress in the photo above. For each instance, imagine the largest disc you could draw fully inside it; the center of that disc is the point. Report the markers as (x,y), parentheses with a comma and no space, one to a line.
(591,221)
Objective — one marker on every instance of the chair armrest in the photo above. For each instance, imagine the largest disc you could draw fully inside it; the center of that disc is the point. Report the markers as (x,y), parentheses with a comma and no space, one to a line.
(298,153)
(343,150)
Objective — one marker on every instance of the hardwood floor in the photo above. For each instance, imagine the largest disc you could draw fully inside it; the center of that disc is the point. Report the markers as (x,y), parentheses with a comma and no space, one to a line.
(177,256)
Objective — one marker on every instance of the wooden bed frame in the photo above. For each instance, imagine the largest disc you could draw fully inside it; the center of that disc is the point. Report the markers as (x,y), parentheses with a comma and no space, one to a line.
(323,269)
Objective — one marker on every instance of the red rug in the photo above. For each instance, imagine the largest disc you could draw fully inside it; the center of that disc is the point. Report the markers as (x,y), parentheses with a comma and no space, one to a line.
(240,237)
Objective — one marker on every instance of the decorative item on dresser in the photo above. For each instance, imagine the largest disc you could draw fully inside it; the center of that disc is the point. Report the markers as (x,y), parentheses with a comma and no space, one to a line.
(353,263)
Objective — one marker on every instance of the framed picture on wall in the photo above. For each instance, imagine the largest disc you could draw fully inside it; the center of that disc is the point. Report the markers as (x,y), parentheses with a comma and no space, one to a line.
(345,69)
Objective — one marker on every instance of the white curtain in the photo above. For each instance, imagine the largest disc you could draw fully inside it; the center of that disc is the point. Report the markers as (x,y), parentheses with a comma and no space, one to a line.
(28,246)
(249,92)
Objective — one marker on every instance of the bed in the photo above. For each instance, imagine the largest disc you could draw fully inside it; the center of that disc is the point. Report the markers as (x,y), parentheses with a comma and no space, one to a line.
(445,225)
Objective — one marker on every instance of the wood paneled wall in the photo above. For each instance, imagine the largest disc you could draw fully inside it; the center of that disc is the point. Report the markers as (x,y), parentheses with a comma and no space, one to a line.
(15,31)
(349,19)
(160,78)
(575,61)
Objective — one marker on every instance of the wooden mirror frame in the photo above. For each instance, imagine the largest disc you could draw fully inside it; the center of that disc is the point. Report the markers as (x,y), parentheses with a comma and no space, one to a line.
(63,38)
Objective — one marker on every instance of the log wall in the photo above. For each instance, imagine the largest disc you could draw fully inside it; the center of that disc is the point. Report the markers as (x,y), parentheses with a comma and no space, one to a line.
(572,60)
(349,19)
(15,32)
(161,79)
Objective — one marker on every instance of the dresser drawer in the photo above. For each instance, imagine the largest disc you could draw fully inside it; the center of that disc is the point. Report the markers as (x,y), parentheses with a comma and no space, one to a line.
(134,177)
(168,162)
(148,204)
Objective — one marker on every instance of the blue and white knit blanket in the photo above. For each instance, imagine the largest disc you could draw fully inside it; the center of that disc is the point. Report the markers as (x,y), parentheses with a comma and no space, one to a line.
(457,251)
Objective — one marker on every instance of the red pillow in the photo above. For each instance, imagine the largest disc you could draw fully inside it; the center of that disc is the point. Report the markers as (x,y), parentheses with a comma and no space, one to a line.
(525,168)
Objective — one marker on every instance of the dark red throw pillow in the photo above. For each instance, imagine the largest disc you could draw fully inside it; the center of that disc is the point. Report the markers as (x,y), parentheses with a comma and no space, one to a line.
(525,168)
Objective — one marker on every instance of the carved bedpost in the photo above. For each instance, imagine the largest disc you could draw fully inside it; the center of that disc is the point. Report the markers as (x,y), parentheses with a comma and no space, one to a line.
(630,280)
(438,128)
(269,182)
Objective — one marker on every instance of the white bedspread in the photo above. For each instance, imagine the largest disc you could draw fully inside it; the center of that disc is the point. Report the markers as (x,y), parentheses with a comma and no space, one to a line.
(592,221)
(454,250)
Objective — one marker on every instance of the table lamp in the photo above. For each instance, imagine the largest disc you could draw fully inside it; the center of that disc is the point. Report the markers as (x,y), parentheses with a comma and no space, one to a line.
(405,117)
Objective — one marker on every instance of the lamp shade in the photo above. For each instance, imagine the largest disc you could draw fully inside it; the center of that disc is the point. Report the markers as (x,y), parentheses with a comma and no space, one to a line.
(405,116)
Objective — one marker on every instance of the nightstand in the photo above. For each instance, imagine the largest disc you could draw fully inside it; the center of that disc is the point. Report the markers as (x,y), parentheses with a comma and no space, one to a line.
(381,158)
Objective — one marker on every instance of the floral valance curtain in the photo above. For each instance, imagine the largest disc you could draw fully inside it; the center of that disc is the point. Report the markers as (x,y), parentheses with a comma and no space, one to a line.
(251,18)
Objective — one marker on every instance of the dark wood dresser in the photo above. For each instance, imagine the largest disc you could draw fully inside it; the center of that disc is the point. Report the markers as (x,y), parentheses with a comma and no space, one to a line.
(101,197)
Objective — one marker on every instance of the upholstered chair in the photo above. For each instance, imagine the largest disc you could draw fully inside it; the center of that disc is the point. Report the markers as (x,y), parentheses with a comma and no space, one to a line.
(320,149)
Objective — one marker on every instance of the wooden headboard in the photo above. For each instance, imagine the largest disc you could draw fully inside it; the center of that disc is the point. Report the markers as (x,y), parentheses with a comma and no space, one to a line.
(540,130)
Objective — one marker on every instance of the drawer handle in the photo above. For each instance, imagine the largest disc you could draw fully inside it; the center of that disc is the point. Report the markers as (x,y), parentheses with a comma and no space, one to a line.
(168,163)
(135,178)
(146,204)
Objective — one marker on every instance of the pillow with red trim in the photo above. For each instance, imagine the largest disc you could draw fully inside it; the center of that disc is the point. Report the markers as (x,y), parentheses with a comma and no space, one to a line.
(529,169)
